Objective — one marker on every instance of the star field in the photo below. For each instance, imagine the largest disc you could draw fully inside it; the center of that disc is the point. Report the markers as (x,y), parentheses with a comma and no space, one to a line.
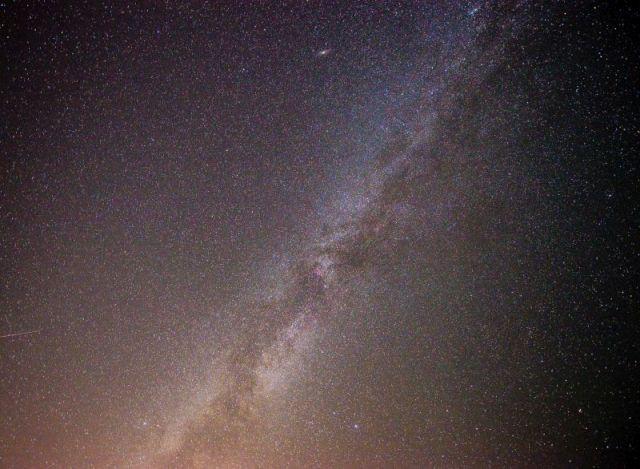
(318,234)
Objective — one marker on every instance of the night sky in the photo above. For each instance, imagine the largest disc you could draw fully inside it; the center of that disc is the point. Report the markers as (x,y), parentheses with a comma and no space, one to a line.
(319,234)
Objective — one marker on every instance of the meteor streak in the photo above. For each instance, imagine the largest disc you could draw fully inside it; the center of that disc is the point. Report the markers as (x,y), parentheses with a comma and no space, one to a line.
(18,334)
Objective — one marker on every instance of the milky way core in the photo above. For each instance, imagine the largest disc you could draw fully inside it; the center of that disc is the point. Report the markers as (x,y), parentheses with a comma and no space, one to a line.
(318,234)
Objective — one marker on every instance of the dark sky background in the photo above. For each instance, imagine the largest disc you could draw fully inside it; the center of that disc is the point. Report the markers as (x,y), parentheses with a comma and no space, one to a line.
(318,234)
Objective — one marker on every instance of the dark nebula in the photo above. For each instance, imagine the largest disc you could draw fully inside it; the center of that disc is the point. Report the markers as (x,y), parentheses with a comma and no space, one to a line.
(319,234)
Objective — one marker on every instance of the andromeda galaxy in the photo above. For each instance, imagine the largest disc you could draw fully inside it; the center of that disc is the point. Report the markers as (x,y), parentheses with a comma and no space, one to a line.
(318,234)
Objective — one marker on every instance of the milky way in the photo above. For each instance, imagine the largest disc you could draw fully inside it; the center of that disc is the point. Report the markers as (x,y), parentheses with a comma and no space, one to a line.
(326,235)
